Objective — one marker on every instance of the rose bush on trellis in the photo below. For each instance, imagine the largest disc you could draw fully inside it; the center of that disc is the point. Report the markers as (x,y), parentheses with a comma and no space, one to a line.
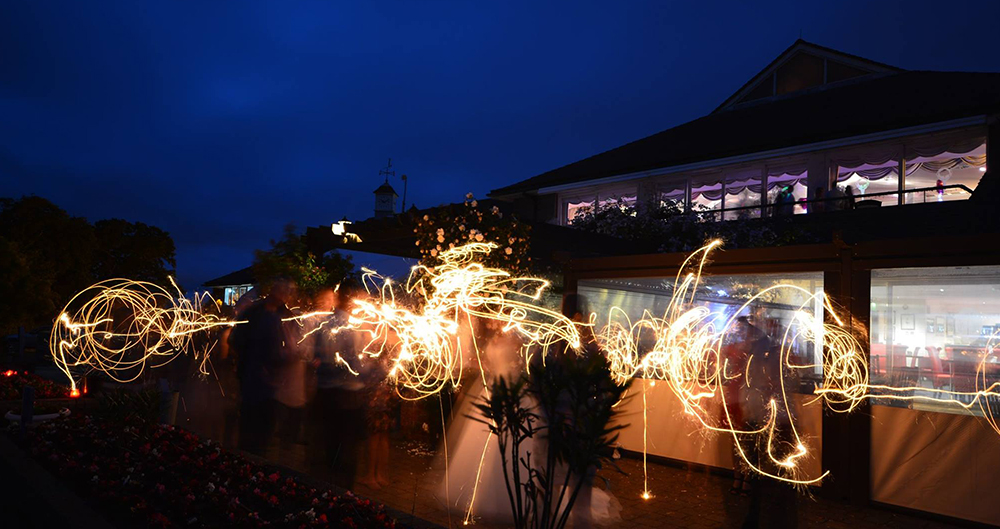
(457,224)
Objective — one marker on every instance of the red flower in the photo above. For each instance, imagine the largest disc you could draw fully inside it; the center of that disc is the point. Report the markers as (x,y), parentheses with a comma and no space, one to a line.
(159,519)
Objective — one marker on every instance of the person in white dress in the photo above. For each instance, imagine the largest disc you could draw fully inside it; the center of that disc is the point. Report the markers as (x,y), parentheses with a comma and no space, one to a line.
(473,452)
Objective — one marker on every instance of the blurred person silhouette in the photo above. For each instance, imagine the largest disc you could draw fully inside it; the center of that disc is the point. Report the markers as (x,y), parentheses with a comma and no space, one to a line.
(340,393)
(819,205)
(836,192)
(467,436)
(379,418)
(849,194)
(574,307)
(784,202)
(226,368)
(761,400)
(755,393)
(734,355)
(291,391)
(261,345)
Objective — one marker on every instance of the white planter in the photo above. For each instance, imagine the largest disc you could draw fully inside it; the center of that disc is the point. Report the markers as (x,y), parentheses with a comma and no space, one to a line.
(16,418)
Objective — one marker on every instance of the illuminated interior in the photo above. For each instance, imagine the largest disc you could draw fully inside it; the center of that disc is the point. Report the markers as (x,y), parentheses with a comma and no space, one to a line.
(930,328)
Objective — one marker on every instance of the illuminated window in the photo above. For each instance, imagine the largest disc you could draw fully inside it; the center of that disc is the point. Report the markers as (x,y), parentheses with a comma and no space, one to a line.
(624,200)
(931,328)
(724,296)
(706,195)
(575,208)
(783,184)
(743,194)
(673,194)
(934,168)
(874,179)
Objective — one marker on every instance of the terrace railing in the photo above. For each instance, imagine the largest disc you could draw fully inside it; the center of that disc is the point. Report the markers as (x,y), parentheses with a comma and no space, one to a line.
(838,203)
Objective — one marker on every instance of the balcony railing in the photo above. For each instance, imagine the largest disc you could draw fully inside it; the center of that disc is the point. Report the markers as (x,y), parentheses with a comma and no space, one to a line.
(841,202)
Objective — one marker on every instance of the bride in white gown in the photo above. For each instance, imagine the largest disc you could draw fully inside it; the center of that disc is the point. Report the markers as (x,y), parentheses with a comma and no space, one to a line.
(473,452)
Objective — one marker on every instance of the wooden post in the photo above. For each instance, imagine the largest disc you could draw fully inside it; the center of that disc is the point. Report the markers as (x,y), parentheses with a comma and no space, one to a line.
(900,200)
(847,436)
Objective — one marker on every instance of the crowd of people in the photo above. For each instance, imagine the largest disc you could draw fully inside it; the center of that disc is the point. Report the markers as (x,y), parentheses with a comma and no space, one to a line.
(300,382)
(836,199)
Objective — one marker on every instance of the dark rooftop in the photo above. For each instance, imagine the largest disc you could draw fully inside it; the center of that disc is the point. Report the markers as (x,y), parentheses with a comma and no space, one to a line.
(385,188)
(876,103)
(239,277)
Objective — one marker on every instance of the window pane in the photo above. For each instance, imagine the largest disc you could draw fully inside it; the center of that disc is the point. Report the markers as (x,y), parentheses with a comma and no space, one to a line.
(943,170)
(706,195)
(624,200)
(773,313)
(931,329)
(868,179)
(797,188)
(743,191)
(675,431)
(672,194)
(576,208)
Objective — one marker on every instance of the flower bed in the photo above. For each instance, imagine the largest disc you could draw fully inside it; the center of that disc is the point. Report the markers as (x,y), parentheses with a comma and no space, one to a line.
(12,382)
(160,476)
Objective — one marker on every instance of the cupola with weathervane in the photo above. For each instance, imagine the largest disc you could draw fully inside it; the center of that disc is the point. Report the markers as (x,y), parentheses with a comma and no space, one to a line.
(385,195)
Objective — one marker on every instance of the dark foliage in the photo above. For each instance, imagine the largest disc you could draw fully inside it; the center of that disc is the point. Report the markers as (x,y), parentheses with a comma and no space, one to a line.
(134,250)
(12,384)
(290,258)
(667,228)
(48,256)
(568,404)
(141,474)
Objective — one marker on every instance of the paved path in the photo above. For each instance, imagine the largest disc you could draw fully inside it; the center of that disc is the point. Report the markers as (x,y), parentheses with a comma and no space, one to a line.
(683,498)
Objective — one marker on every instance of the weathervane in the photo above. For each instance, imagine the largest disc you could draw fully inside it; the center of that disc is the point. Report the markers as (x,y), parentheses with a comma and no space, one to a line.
(388,171)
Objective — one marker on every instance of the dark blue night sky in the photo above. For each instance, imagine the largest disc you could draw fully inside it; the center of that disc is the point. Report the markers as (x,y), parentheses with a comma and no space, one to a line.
(223,121)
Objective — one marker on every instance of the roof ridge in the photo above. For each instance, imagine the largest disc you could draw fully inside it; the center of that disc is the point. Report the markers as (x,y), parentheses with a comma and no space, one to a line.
(661,149)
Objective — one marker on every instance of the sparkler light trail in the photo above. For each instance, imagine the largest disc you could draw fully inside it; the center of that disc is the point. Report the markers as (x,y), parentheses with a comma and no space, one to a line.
(684,348)
(429,341)
(120,326)
(425,329)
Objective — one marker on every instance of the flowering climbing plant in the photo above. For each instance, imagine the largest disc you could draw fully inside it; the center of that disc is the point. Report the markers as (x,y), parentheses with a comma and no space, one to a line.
(457,224)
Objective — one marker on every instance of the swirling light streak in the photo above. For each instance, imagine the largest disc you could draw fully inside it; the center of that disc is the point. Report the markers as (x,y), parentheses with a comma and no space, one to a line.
(430,339)
(428,335)
(119,326)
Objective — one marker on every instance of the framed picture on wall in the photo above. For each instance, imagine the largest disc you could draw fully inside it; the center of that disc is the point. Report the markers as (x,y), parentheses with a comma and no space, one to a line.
(930,326)
(906,322)
(950,326)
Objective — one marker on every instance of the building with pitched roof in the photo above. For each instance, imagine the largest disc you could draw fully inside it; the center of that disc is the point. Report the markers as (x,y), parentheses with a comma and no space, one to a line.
(910,262)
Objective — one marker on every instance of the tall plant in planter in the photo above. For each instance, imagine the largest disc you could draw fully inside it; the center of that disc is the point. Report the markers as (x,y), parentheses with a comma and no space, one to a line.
(513,423)
(565,408)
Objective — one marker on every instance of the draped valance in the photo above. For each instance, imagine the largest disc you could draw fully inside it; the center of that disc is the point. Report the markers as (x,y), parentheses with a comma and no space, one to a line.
(931,165)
